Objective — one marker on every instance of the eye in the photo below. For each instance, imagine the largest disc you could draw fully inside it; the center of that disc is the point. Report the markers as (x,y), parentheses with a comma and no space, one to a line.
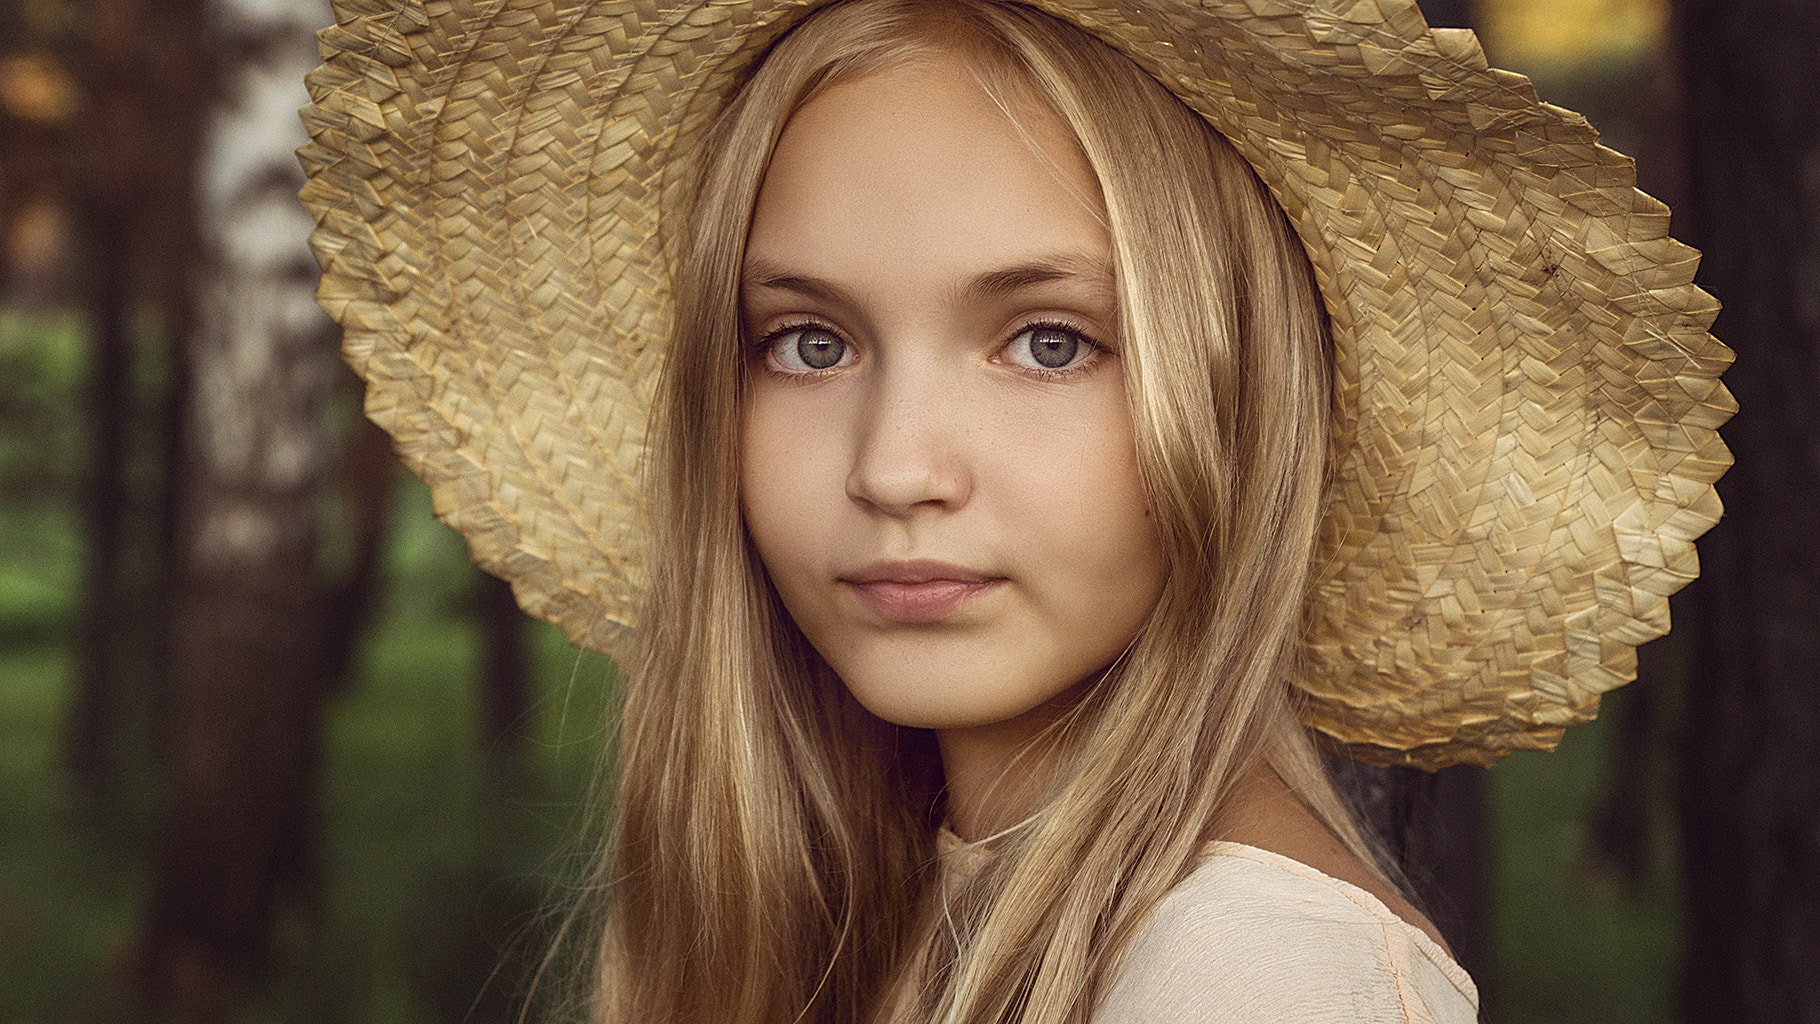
(807,349)
(1047,348)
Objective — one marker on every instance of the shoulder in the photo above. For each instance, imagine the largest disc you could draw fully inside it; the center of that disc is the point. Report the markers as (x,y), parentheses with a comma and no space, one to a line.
(1254,936)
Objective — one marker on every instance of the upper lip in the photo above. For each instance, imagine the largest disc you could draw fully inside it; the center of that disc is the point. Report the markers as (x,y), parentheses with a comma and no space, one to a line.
(916,570)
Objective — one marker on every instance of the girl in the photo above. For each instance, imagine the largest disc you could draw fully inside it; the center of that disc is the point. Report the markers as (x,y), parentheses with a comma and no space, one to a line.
(1059,422)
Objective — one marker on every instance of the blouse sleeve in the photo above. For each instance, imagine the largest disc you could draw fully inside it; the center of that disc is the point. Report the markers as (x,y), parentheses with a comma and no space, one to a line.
(1255,943)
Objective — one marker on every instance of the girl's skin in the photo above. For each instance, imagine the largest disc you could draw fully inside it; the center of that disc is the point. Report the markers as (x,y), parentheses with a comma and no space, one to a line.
(938,464)
(957,527)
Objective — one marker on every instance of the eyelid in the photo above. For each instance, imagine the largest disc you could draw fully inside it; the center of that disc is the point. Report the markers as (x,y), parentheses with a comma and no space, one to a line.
(763,340)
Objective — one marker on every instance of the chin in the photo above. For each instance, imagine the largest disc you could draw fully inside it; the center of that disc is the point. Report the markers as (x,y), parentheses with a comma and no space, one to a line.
(916,704)
(910,712)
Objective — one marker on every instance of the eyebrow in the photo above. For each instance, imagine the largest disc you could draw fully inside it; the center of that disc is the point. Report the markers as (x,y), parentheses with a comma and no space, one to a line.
(1016,278)
(1097,273)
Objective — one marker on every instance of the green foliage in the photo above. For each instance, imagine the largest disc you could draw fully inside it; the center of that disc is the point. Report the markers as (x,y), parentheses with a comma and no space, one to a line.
(41,363)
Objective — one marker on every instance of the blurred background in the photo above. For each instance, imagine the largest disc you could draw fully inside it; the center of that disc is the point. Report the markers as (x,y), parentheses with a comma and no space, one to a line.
(271,749)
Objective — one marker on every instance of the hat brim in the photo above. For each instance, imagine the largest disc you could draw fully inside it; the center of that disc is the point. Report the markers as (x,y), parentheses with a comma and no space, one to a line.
(1529,398)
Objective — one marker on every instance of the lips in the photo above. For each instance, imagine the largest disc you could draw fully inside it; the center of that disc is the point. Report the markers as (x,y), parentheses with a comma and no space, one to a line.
(919,590)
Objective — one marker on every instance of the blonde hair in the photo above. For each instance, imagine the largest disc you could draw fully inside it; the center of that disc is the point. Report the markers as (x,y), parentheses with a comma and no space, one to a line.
(765,824)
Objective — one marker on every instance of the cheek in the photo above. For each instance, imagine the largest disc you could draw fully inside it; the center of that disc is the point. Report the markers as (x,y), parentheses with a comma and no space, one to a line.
(1102,539)
(1106,527)
(783,471)
(762,468)
(1075,513)
(1076,484)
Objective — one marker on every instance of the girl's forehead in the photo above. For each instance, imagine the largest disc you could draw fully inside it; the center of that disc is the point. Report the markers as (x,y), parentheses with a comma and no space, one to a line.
(922,160)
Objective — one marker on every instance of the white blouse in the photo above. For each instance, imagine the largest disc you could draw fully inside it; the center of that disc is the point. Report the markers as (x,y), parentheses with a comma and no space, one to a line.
(1255,937)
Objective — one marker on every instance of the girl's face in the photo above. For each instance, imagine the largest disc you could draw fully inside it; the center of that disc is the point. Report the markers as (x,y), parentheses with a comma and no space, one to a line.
(937,462)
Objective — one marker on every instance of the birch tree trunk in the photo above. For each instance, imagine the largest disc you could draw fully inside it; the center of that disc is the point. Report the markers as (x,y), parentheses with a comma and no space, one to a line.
(249,649)
(1750,788)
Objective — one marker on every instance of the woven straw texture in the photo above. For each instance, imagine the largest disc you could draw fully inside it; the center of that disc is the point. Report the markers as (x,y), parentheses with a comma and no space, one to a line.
(1529,394)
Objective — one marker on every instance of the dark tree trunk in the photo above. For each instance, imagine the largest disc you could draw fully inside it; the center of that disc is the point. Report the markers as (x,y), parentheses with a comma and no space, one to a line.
(1447,13)
(1750,789)
(506,674)
(95,712)
(107,227)
(135,236)
(369,473)
(249,648)
(1622,819)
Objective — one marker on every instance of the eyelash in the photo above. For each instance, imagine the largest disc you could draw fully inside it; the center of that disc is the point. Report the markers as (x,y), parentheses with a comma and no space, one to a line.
(1046,373)
(763,347)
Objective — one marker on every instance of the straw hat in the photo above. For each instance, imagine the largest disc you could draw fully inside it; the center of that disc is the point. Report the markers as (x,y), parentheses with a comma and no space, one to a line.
(1529,396)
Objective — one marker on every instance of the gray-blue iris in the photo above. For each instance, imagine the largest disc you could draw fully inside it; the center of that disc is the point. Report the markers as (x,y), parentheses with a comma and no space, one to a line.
(819,349)
(1053,348)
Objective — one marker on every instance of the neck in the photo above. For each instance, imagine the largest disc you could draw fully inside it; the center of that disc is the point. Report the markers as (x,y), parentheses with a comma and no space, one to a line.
(996,773)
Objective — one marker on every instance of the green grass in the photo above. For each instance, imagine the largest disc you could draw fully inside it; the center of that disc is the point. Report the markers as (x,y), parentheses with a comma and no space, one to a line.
(69,889)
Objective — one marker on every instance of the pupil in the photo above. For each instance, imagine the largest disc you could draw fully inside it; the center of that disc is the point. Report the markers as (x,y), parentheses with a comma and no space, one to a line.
(819,350)
(1053,349)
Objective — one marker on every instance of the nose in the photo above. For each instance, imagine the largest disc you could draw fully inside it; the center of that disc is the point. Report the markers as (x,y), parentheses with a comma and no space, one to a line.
(910,449)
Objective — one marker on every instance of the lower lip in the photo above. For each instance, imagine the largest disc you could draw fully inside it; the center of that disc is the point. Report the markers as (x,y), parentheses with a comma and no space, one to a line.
(919,602)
